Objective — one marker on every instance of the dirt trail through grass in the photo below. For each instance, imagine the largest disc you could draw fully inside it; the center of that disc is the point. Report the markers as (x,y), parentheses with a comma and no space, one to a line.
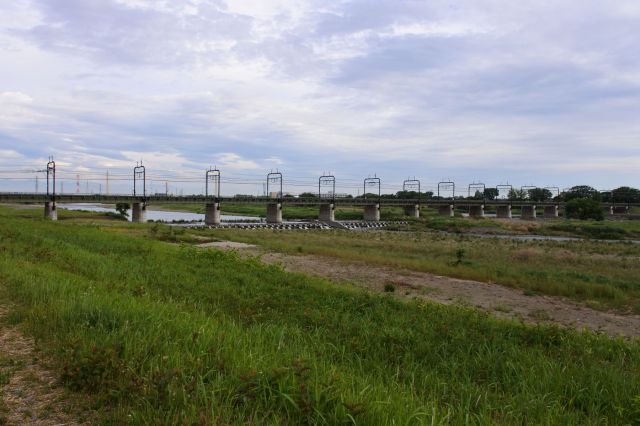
(29,393)
(501,301)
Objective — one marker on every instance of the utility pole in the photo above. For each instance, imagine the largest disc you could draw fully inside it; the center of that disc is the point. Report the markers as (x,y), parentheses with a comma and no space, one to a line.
(78,183)
(107,182)
(36,184)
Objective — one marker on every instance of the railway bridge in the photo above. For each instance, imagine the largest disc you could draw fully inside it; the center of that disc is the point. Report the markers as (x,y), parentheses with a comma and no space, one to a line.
(371,203)
(326,207)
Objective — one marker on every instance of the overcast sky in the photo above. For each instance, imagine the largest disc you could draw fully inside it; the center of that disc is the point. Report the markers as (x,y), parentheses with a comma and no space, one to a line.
(527,92)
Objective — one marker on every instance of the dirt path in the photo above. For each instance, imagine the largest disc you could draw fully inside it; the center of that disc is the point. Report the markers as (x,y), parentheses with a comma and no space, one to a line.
(501,301)
(29,393)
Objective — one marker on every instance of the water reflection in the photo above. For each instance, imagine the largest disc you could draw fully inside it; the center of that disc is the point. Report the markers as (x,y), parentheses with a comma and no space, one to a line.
(155,215)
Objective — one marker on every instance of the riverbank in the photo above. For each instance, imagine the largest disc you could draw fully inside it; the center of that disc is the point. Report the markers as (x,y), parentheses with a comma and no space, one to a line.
(162,333)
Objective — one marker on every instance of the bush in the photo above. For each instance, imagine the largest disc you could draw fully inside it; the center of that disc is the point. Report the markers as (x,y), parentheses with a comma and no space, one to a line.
(122,208)
(584,209)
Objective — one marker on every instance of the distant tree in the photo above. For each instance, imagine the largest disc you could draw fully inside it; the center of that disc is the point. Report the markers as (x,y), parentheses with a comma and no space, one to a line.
(581,191)
(476,196)
(408,195)
(584,209)
(368,195)
(539,194)
(491,193)
(516,194)
(122,209)
(307,195)
(288,196)
(624,194)
(428,194)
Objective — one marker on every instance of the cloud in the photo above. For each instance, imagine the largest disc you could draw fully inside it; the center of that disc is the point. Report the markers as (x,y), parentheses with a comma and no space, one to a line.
(231,161)
(486,89)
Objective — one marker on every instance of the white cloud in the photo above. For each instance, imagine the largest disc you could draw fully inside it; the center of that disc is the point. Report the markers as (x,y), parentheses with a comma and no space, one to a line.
(231,161)
(486,87)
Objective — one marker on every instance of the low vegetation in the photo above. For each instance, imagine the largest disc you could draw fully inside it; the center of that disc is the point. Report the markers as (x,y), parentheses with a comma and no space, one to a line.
(584,209)
(601,274)
(159,333)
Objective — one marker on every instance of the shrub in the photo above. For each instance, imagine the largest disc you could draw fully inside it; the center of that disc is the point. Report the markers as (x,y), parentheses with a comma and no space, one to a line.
(122,208)
(584,209)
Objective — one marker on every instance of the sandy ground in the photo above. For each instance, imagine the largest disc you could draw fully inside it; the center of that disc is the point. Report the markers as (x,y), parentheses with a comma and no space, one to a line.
(501,301)
(29,393)
(227,245)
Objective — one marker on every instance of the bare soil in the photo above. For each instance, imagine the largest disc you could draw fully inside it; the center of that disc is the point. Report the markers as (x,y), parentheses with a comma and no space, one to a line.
(501,301)
(29,392)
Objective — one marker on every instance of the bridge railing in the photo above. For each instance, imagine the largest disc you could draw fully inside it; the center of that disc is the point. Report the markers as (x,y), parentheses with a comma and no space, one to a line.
(168,199)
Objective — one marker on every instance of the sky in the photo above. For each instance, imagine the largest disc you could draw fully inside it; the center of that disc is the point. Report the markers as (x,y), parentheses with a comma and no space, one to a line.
(542,93)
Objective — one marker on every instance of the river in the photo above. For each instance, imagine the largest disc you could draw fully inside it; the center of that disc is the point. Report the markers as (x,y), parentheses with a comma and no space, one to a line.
(156,215)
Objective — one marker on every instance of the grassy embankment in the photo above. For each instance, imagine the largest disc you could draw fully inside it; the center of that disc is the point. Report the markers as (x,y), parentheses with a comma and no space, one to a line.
(161,333)
(607,229)
(602,274)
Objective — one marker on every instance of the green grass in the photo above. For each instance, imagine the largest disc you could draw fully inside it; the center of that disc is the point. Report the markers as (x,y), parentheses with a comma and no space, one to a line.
(585,271)
(158,333)
(607,230)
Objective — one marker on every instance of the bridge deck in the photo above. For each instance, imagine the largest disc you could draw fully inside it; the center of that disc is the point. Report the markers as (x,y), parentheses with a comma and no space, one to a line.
(201,199)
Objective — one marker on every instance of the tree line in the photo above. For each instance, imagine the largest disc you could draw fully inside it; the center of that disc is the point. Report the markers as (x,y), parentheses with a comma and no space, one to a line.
(623,194)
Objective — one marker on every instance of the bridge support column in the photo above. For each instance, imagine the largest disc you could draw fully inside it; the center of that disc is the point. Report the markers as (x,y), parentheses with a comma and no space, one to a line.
(139,212)
(476,210)
(327,212)
(372,212)
(608,210)
(212,214)
(503,212)
(412,211)
(550,211)
(274,213)
(446,210)
(620,210)
(528,212)
(50,211)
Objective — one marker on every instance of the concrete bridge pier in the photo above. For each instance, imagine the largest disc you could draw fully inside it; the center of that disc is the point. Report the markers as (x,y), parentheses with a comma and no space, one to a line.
(503,212)
(139,212)
(50,211)
(476,210)
(620,210)
(412,211)
(274,213)
(327,212)
(528,212)
(372,212)
(212,214)
(446,210)
(550,211)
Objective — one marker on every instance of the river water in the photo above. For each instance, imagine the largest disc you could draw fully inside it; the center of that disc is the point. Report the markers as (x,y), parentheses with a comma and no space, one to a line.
(156,215)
